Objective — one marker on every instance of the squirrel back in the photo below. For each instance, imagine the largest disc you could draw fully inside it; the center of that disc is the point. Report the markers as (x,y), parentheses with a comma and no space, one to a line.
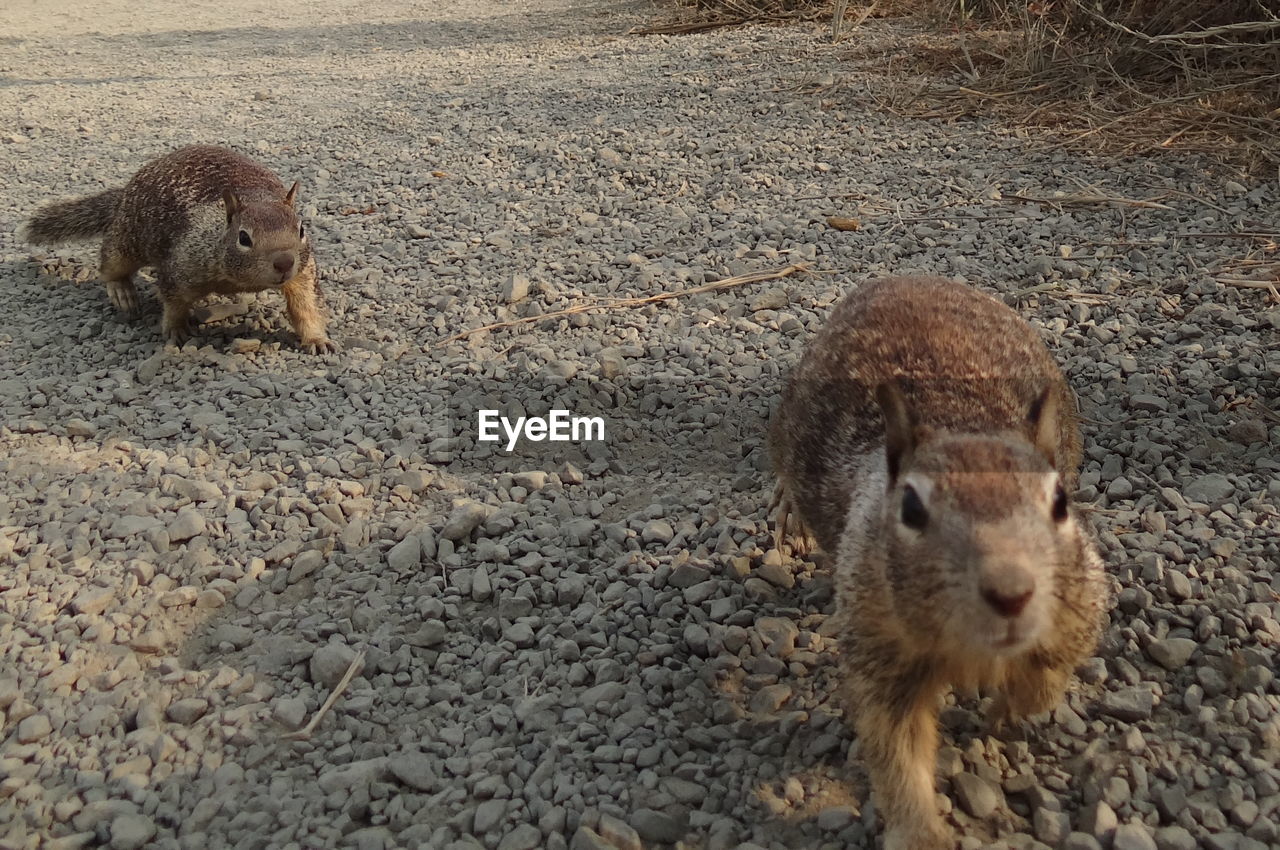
(204,188)
(962,360)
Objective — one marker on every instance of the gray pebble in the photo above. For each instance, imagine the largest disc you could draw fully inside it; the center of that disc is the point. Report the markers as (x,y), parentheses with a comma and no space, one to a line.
(977,796)
(1132,836)
(131,832)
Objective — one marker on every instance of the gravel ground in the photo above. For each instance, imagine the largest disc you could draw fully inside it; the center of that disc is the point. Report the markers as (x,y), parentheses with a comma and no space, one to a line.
(587,645)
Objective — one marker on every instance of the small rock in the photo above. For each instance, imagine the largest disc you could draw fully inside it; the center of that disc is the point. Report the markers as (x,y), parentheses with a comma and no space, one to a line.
(588,839)
(525,836)
(489,815)
(977,796)
(836,818)
(415,770)
(330,662)
(1178,585)
(178,597)
(521,634)
(148,369)
(618,834)
(189,523)
(9,692)
(687,575)
(465,518)
(187,711)
(770,698)
(1129,704)
(1171,653)
(657,531)
(262,481)
(131,832)
(92,600)
(406,555)
(245,345)
(304,565)
(210,599)
(1175,838)
(532,480)
(1051,827)
(431,633)
(80,428)
(1132,836)
(774,299)
(290,712)
(778,575)
(515,289)
(612,363)
(1148,403)
(657,826)
(417,480)
(1212,489)
(33,728)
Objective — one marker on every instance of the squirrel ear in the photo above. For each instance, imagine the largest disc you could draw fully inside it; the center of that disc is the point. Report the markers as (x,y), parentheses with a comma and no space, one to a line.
(292,193)
(899,431)
(1042,420)
(231,202)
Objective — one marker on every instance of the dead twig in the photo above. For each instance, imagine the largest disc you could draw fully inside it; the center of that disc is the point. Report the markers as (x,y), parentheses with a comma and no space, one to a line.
(727,283)
(1250,283)
(1083,199)
(305,732)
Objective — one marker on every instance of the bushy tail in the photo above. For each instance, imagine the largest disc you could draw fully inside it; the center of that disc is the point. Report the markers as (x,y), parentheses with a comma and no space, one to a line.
(67,221)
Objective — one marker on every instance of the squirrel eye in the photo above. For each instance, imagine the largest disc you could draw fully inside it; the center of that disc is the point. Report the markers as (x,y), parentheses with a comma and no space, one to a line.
(245,239)
(302,231)
(1059,504)
(914,514)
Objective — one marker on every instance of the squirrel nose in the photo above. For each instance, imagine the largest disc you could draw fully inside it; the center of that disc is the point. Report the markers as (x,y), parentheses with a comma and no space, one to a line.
(1007,603)
(283,263)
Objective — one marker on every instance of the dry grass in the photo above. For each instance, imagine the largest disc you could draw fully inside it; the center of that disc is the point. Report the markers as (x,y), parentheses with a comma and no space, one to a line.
(699,15)
(1129,76)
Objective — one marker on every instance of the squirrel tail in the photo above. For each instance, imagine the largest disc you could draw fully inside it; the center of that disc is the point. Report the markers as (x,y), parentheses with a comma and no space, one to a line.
(66,221)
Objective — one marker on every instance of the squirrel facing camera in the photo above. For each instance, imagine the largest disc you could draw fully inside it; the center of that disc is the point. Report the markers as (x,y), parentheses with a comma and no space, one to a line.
(928,443)
(264,239)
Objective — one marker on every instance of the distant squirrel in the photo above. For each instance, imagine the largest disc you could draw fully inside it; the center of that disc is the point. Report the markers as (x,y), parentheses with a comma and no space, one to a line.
(929,442)
(209,220)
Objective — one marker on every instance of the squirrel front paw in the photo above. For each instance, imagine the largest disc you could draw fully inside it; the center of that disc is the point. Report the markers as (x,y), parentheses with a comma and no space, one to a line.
(124,297)
(319,345)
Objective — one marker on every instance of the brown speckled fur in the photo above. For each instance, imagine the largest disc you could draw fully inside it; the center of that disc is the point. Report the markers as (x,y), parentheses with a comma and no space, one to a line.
(172,216)
(991,425)
(945,344)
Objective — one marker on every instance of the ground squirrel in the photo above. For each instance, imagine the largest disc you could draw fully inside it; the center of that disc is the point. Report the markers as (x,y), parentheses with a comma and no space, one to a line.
(209,220)
(929,442)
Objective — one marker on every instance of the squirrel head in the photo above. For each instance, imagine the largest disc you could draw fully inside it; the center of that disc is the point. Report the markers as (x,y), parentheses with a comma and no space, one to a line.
(979,530)
(265,241)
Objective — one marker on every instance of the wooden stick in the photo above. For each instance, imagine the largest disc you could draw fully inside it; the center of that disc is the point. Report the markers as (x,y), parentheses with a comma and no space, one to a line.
(352,668)
(740,280)
(1246,283)
(1068,200)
